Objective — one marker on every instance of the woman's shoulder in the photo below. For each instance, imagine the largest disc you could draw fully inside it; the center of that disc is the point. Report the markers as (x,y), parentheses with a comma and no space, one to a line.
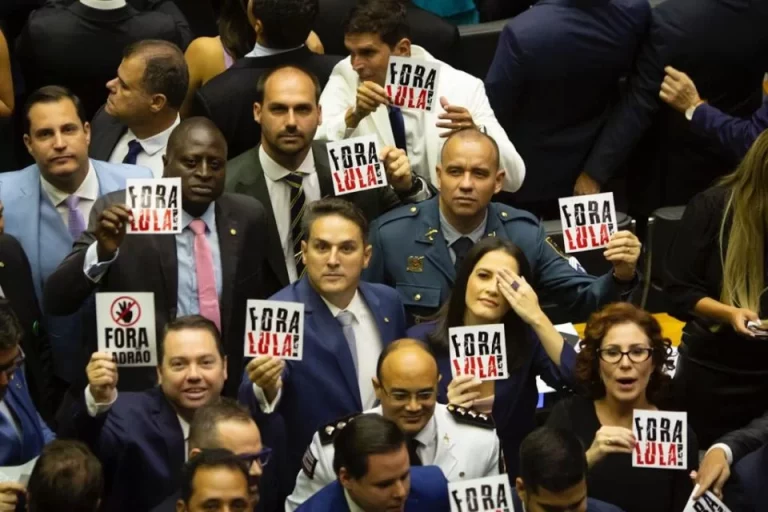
(421,330)
(204,50)
(711,198)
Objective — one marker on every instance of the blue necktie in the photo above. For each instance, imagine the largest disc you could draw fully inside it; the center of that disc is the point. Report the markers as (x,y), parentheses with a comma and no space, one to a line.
(134,148)
(346,318)
(398,127)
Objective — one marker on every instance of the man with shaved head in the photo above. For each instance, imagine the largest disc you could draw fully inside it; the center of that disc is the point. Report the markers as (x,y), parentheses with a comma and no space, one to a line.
(418,249)
(462,444)
(211,268)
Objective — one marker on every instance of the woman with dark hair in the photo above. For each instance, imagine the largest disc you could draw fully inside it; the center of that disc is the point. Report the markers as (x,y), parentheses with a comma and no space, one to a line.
(492,287)
(622,366)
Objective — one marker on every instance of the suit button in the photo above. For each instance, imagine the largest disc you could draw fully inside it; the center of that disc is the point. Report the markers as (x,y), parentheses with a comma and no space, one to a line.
(503,214)
(417,297)
(413,209)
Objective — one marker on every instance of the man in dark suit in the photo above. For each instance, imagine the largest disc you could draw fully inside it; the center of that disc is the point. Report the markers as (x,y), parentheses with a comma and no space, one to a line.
(206,270)
(142,109)
(287,104)
(228,98)
(723,46)
(141,438)
(374,472)
(214,478)
(346,325)
(79,45)
(553,121)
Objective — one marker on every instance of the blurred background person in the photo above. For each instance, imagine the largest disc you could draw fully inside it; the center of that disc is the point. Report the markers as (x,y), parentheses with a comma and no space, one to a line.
(7,99)
(621,367)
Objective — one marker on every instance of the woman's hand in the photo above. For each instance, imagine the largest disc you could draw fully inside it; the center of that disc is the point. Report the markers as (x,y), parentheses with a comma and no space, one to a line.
(520,296)
(462,391)
(610,440)
(739,317)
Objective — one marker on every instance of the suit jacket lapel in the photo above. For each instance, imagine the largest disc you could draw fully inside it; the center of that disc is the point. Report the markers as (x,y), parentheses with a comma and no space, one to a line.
(168,427)
(322,168)
(165,245)
(229,248)
(23,209)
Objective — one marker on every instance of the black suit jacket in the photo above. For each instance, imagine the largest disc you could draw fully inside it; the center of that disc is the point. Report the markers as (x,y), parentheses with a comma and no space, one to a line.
(746,440)
(246,176)
(148,263)
(81,48)
(105,133)
(228,99)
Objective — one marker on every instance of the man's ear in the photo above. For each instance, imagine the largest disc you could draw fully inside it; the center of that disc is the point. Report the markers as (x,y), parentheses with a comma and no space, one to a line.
(367,253)
(520,488)
(257,112)
(194,452)
(402,48)
(499,181)
(159,101)
(345,479)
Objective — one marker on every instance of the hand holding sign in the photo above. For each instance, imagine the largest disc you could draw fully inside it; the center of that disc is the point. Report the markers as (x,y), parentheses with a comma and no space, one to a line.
(9,495)
(585,185)
(110,230)
(701,501)
(610,440)
(102,377)
(454,118)
(520,296)
(398,168)
(461,390)
(266,372)
(739,317)
(623,251)
(713,472)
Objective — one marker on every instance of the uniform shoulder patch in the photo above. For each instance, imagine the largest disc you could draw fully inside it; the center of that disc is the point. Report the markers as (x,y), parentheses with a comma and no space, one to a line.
(508,213)
(401,212)
(470,417)
(555,248)
(309,463)
(329,432)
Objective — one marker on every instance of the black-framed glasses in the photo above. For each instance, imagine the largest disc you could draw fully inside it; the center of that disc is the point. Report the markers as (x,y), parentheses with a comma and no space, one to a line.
(262,457)
(10,368)
(401,397)
(635,354)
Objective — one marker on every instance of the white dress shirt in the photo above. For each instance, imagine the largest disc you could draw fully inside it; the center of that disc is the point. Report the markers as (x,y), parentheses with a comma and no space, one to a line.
(153,149)
(6,411)
(88,192)
(280,196)
(353,507)
(104,5)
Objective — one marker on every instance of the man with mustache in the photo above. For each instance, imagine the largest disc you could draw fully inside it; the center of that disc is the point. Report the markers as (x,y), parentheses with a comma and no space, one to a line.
(462,444)
(211,268)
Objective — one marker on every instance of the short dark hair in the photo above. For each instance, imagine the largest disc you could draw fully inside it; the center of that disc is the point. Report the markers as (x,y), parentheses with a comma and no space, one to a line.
(401,344)
(166,70)
(386,18)
(206,459)
(11,332)
(552,459)
(285,23)
(261,85)
(367,434)
(469,133)
(67,476)
(52,94)
(183,323)
(334,206)
(203,431)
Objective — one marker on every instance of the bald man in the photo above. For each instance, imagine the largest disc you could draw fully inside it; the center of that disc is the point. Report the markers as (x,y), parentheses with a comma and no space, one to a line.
(211,268)
(462,444)
(418,249)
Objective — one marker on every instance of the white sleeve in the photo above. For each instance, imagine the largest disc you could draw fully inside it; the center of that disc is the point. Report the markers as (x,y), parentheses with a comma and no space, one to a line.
(336,99)
(494,463)
(93,268)
(726,449)
(94,408)
(266,406)
(316,472)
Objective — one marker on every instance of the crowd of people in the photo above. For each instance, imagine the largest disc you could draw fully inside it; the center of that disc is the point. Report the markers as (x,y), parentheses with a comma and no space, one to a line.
(662,106)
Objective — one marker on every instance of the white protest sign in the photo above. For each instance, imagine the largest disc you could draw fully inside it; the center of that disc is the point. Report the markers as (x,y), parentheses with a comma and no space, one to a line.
(274,328)
(489,494)
(478,350)
(707,503)
(18,474)
(126,325)
(662,439)
(412,83)
(588,221)
(355,165)
(156,205)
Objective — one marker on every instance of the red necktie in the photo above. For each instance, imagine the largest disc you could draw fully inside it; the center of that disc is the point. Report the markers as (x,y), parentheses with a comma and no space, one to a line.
(206,277)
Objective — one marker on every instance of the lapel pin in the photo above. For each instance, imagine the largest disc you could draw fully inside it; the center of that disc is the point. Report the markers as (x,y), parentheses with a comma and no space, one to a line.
(446,439)
(386,319)
(415,264)
(233,231)
(492,233)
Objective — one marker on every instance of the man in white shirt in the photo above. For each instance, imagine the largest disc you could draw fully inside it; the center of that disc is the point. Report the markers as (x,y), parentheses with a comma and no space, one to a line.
(355,103)
(142,109)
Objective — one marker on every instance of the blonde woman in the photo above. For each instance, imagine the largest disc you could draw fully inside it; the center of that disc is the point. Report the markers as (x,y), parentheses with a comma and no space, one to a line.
(715,277)
(6,82)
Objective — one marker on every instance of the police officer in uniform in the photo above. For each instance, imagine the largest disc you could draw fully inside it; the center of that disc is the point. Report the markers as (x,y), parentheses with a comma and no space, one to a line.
(416,248)
(462,443)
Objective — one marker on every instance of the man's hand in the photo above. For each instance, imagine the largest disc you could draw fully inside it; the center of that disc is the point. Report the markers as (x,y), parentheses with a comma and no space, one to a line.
(9,495)
(679,91)
(110,230)
(585,185)
(266,372)
(102,377)
(454,118)
(623,251)
(398,168)
(369,96)
(462,390)
(713,472)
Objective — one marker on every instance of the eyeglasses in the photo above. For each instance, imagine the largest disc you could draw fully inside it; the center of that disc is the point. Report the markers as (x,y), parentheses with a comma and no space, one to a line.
(14,365)
(404,397)
(635,354)
(261,457)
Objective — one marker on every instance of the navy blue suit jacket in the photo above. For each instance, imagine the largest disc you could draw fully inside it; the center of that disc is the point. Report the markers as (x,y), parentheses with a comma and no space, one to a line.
(746,490)
(551,101)
(732,132)
(429,493)
(323,386)
(140,444)
(34,432)
(592,505)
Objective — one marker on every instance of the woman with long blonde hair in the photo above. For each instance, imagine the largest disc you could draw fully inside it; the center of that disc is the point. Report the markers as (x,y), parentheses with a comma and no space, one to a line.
(715,277)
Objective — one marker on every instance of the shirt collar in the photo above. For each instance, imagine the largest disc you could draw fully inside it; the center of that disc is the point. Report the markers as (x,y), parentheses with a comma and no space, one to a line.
(158,142)
(451,234)
(209,217)
(104,5)
(356,307)
(88,189)
(353,507)
(263,51)
(275,172)
(184,427)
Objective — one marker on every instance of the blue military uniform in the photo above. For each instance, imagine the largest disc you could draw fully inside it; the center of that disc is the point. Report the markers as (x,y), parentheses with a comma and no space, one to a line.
(411,255)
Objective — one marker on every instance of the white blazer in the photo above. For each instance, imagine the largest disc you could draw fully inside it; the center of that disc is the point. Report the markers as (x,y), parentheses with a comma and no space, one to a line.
(458,87)
(463,452)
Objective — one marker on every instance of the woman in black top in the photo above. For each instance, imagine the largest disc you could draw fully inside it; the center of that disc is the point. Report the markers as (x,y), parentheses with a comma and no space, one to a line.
(621,366)
(715,276)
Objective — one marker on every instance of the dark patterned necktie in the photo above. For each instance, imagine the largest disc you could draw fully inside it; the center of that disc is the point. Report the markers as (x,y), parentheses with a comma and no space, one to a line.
(298,203)
(460,248)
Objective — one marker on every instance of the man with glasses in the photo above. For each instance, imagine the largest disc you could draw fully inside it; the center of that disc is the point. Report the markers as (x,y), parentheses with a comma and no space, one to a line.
(462,444)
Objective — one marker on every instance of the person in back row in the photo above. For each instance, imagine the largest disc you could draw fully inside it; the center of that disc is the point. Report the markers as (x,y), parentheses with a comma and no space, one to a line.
(355,102)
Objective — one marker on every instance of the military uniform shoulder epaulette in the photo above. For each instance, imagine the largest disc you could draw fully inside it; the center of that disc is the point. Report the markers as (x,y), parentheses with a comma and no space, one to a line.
(470,417)
(556,248)
(401,212)
(508,213)
(329,432)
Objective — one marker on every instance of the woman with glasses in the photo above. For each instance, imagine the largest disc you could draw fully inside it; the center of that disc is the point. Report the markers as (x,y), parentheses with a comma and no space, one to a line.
(493,286)
(621,367)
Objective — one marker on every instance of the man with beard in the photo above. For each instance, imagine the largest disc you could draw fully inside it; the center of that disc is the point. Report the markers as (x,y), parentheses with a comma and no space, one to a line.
(287,171)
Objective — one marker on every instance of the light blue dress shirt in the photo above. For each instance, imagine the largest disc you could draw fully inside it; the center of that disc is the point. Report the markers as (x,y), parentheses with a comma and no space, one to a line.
(187,302)
(451,234)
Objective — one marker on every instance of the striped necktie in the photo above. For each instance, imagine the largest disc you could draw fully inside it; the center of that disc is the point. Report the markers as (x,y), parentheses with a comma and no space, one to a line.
(298,203)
